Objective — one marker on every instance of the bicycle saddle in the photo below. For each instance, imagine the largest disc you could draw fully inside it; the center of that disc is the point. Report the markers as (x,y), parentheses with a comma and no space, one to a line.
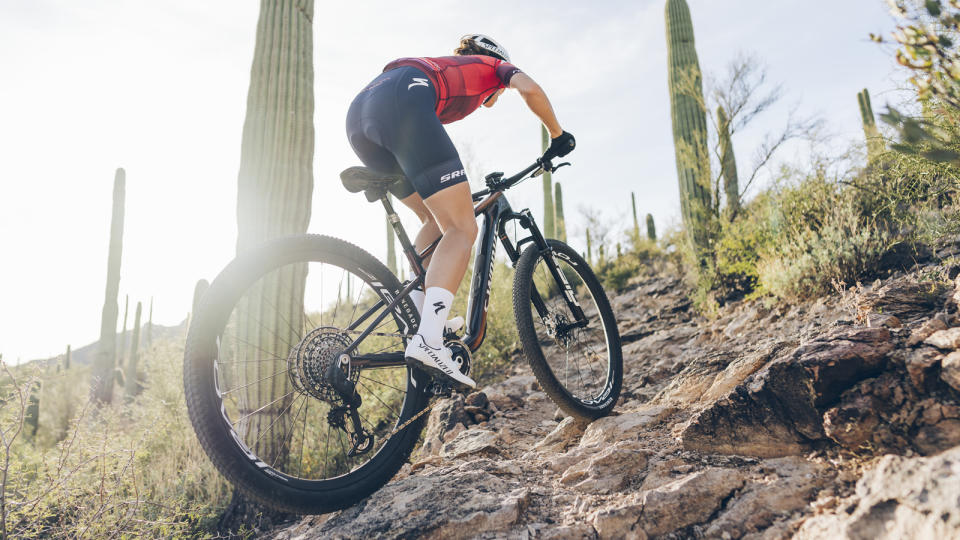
(372,183)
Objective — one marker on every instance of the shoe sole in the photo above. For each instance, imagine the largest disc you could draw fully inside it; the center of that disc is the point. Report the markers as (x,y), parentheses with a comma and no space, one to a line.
(437,374)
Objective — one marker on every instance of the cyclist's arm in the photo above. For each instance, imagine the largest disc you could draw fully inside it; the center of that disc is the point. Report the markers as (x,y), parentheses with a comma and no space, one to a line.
(537,100)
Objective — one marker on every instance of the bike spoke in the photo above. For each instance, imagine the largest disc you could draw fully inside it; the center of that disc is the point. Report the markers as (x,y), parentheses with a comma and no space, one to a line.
(394,411)
(384,384)
(285,370)
(287,437)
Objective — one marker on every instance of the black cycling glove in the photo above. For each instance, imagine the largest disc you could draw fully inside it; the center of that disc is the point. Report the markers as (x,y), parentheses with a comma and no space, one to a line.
(561,146)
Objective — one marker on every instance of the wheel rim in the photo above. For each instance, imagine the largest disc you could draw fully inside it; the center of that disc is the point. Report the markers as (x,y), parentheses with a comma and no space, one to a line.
(579,358)
(269,356)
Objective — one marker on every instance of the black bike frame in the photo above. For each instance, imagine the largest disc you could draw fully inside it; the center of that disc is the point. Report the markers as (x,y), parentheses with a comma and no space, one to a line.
(496,213)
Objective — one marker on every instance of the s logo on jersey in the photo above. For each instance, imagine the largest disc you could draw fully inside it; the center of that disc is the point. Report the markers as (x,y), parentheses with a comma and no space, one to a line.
(418,81)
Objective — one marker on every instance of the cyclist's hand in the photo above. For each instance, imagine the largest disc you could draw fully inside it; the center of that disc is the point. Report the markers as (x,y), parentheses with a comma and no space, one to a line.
(561,146)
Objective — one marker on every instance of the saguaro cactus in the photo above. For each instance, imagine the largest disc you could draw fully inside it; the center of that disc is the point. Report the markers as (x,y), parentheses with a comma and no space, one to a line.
(101,386)
(123,337)
(636,223)
(31,416)
(560,223)
(875,144)
(150,324)
(275,185)
(66,359)
(689,124)
(651,228)
(130,378)
(728,164)
(589,248)
(548,212)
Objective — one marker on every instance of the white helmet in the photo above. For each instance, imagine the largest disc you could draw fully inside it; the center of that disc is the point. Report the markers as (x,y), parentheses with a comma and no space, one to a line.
(487,43)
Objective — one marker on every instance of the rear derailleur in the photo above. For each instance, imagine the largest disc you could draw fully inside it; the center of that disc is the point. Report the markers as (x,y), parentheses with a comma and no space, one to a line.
(361,440)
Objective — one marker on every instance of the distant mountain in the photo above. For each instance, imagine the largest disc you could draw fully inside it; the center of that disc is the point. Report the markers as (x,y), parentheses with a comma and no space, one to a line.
(84,355)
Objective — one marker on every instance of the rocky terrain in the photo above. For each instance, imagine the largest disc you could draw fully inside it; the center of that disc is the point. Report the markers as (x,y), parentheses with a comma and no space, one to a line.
(838,418)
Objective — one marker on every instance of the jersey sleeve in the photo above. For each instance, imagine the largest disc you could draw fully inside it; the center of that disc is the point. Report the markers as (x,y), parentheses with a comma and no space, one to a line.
(505,71)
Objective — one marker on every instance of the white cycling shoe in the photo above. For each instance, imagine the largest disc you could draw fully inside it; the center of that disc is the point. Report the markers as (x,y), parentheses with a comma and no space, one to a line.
(436,361)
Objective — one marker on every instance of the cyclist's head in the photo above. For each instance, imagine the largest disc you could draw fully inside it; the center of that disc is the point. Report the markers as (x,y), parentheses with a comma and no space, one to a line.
(481,44)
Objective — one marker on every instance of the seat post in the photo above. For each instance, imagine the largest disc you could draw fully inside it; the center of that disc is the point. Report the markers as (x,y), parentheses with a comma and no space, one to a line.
(416,263)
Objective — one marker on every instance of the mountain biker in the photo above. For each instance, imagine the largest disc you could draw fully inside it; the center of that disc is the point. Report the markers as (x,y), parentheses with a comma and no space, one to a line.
(395,126)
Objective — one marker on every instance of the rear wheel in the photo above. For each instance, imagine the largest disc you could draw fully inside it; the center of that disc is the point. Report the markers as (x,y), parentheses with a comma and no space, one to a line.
(570,340)
(257,374)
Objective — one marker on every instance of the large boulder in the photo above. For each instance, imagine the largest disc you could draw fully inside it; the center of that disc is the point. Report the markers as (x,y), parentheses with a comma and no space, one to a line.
(777,411)
(451,502)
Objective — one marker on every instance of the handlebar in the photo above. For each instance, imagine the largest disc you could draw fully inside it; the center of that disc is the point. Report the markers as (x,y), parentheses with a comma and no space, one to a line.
(495,181)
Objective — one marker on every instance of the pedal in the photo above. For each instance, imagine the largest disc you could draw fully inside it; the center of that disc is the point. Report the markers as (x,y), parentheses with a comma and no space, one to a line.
(440,389)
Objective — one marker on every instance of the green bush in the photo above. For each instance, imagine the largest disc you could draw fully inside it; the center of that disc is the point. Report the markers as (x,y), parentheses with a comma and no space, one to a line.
(133,470)
(795,240)
(820,237)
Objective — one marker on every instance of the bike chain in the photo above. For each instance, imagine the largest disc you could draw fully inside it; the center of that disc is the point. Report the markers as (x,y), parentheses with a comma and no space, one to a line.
(412,419)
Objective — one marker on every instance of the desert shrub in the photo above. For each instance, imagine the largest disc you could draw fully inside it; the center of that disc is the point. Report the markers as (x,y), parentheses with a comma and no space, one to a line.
(819,236)
(130,469)
(738,247)
(615,273)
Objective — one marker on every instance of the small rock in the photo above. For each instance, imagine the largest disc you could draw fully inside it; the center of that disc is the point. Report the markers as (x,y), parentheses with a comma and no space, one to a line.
(510,393)
(931,440)
(452,434)
(581,531)
(471,441)
(852,423)
(607,471)
(921,365)
(619,522)
(950,370)
(948,339)
(562,436)
(614,428)
(881,319)
(477,399)
(688,500)
(922,333)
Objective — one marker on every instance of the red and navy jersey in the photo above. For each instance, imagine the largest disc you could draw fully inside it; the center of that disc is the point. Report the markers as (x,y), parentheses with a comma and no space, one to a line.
(462,82)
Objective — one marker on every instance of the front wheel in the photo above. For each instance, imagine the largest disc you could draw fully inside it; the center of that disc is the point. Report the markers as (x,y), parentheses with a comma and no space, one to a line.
(568,331)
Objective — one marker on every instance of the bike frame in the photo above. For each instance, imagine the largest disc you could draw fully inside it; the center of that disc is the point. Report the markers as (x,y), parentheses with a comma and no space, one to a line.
(496,213)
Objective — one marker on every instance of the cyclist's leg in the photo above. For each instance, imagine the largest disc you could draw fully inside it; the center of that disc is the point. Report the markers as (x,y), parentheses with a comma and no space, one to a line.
(453,210)
(429,230)
(429,159)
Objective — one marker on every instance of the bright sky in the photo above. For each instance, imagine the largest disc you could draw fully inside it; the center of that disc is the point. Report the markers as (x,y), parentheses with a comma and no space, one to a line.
(159,88)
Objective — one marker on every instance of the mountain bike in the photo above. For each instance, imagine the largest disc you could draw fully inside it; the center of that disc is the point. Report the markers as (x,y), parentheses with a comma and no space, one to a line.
(294,371)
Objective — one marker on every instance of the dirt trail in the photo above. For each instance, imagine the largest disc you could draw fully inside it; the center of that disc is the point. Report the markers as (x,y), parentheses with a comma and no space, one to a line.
(837,418)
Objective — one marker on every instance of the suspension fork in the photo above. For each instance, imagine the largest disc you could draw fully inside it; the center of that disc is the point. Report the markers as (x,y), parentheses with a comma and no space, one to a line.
(536,237)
